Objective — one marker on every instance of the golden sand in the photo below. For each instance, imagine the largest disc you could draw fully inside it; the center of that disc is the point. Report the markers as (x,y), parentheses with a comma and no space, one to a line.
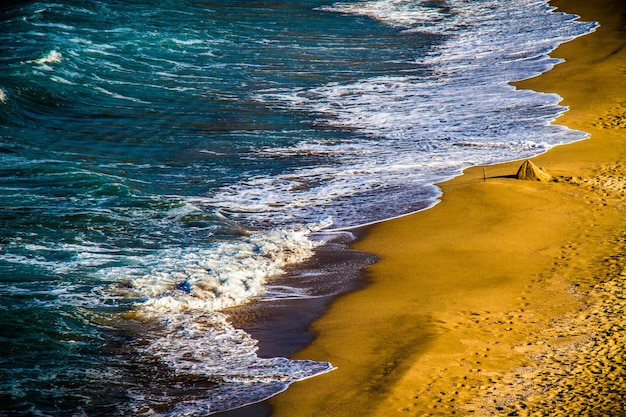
(507,297)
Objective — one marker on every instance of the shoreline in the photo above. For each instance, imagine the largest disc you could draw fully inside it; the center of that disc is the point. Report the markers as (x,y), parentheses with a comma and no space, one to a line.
(282,326)
(483,303)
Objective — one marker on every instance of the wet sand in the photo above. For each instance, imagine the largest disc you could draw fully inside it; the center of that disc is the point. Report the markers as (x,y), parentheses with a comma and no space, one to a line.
(507,297)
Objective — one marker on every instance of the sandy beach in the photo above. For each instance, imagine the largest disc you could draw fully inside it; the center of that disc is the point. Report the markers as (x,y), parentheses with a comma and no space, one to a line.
(507,297)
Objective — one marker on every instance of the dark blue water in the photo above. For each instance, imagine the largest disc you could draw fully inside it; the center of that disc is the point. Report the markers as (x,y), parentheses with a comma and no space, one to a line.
(161,161)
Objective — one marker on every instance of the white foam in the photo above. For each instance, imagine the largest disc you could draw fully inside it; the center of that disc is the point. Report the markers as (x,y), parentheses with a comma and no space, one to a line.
(119,96)
(81,41)
(212,279)
(402,13)
(184,290)
(61,80)
(283,292)
(55,26)
(53,57)
(188,42)
(422,129)
(188,347)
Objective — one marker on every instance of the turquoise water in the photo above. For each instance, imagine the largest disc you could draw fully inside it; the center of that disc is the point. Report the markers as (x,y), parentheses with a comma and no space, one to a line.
(161,161)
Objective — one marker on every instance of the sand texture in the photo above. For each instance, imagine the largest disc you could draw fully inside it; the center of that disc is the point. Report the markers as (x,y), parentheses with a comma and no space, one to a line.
(507,298)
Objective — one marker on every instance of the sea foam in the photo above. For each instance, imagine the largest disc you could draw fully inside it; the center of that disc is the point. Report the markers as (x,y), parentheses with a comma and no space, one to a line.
(52,57)
(212,279)
(184,291)
(412,131)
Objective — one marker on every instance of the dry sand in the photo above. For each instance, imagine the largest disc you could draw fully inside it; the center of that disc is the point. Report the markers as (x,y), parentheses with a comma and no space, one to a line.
(507,298)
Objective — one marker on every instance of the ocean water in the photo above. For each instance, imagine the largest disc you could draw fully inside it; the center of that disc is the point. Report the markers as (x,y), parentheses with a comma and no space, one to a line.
(161,162)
